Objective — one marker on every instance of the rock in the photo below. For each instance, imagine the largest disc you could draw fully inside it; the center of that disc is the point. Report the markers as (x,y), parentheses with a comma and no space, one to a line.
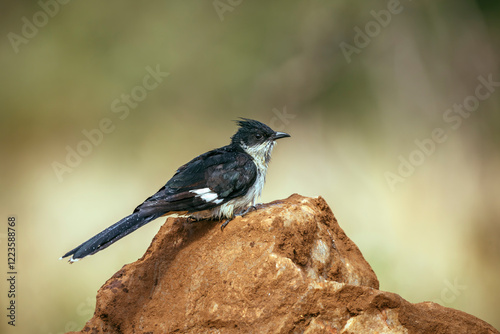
(286,268)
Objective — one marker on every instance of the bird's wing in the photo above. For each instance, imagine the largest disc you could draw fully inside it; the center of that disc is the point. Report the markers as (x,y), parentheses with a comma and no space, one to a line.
(205,182)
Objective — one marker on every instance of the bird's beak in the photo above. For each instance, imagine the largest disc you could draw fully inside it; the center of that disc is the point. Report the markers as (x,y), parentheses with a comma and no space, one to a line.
(279,135)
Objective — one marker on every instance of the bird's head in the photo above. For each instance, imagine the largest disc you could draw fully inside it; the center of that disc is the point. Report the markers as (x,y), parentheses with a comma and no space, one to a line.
(256,138)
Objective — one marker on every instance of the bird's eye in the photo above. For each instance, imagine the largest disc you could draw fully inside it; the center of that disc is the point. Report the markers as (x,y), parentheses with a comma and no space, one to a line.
(258,135)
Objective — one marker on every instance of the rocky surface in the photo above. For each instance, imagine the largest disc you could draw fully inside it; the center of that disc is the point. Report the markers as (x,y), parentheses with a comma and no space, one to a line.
(286,268)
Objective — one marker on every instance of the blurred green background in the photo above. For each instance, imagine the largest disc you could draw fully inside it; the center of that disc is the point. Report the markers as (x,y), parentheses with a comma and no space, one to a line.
(431,234)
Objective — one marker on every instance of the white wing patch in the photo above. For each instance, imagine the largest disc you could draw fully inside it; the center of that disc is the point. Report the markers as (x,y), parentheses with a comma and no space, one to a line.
(207,195)
(201,191)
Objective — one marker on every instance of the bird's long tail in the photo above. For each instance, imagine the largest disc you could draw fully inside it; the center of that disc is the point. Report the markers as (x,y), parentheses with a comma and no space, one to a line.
(109,236)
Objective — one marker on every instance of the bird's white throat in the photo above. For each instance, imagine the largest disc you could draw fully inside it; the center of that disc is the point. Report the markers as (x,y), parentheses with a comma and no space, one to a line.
(261,154)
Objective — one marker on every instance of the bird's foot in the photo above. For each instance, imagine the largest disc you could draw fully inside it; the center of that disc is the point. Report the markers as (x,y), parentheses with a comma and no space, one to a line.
(240,214)
(247,210)
(259,206)
(224,224)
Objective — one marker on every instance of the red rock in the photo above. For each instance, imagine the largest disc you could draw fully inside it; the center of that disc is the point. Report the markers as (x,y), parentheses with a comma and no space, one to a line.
(285,268)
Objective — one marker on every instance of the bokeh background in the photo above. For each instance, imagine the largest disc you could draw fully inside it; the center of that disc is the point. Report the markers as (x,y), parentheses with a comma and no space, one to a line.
(433,234)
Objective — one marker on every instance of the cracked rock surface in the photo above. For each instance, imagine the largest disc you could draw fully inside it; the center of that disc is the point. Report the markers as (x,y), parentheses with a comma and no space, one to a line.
(287,267)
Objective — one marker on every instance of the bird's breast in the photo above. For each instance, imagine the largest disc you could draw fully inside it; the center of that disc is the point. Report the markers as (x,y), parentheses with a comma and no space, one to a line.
(236,205)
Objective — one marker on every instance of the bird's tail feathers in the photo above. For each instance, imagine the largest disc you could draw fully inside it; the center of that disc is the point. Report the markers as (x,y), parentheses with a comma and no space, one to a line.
(109,236)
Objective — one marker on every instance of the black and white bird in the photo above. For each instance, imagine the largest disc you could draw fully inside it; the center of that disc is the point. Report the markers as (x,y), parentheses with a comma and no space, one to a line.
(219,184)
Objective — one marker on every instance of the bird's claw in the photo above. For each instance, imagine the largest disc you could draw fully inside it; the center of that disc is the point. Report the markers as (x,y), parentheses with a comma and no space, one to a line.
(250,209)
(239,214)
(224,224)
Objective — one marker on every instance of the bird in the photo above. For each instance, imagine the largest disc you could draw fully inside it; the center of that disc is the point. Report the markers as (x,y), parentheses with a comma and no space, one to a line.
(220,184)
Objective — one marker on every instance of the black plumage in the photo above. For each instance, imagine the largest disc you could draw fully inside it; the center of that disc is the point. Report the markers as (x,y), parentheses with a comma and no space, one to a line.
(227,171)
(217,184)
